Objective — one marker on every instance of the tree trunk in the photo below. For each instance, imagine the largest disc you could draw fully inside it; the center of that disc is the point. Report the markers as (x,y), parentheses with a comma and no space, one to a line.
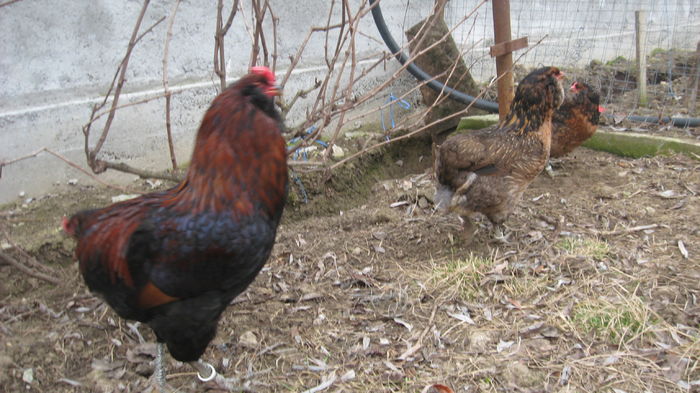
(441,59)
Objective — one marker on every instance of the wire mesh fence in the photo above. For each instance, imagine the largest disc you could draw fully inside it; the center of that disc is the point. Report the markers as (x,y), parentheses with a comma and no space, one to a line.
(593,40)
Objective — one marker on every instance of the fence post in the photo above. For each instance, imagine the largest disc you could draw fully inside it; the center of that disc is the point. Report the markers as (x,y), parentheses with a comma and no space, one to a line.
(692,98)
(504,62)
(640,21)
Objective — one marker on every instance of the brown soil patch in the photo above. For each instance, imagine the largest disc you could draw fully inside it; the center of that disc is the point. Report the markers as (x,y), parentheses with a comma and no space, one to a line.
(591,292)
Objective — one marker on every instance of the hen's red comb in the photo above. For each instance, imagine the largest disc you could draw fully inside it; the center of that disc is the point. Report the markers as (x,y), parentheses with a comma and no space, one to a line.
(264,71)
(574,86)
(601,109)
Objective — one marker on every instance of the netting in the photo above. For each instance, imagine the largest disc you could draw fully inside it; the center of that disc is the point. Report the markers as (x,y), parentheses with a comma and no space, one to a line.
(592,40)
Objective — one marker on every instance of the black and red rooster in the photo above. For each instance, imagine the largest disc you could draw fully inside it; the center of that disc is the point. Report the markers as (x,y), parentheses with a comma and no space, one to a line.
(175,259)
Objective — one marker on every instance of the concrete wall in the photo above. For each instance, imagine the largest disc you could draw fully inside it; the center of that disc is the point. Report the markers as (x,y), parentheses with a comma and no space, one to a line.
(58,58)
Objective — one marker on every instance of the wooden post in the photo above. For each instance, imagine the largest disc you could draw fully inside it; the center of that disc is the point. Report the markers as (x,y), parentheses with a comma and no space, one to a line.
(640,21)
(504,62)
(692,97)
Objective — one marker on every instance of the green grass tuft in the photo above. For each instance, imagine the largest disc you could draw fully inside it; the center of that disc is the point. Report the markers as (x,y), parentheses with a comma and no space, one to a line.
(462,276)
(619,322)
(589,248)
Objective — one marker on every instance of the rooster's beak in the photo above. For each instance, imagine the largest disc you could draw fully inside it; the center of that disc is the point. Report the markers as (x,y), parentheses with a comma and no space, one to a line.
(273,90)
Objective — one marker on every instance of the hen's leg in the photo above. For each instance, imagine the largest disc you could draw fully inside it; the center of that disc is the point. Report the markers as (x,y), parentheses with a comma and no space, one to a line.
(467,230)
(499,230)
(205,371)
(549,170)
(551,163)
(458,198)
(499,233)
(467,183)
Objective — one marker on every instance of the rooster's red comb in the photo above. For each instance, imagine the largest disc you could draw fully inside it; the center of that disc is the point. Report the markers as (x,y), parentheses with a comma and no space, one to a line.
(264,71)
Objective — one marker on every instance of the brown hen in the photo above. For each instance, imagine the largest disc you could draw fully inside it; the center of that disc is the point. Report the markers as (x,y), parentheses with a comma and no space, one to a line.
(488,170)
(576,119)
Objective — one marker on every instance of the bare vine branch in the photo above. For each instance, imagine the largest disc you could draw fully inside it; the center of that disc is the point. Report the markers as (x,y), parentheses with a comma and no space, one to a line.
(333,94)
(166,89)
(120,85)
(67,161)
(221,30)
(8,2)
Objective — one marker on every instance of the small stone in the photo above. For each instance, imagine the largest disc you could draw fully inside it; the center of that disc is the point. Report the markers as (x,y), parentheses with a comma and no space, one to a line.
(518,374)
(379,235)
(123,197)
(604,191)
(28,375)
(337,152)
(248,340)
(479,341)
(72,182)
(423,203)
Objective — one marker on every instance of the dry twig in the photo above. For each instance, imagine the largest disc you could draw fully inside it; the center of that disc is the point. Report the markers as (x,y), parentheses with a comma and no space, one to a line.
(166,89)
(67,161)
(50,276)
(221,30)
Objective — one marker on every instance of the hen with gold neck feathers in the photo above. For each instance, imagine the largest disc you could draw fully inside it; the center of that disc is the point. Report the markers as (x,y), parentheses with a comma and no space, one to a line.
(176,259)
(488,170)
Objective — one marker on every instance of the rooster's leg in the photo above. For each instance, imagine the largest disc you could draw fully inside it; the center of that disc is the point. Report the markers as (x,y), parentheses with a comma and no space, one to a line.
(205,371)
(160,369)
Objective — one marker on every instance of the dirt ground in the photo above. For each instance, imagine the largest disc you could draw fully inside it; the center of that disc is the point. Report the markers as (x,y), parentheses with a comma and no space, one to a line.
(369,289)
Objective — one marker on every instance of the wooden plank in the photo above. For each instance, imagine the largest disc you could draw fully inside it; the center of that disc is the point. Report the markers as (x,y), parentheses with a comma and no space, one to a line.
(477,122)
(631,144)
(626,144)
(508,47)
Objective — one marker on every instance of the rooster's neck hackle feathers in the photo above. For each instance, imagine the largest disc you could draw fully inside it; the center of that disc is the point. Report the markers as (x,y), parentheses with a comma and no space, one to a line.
(239,159)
